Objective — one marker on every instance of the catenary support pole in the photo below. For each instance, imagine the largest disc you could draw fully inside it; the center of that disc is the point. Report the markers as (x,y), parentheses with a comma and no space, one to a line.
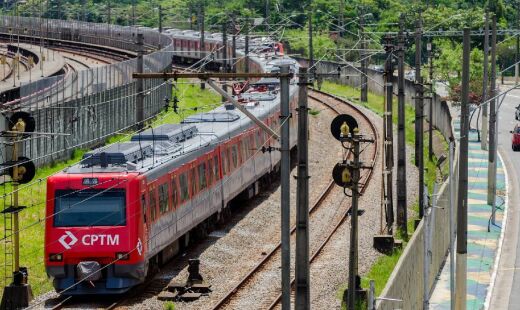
(311,48)
(517,51)
(224,54)
(419,129)
(160,18)
(139,97)
(426,256)
(430,102)
(452,224)
(246,47)
(389,136)
(462,198)
(267,17)
(364,61)
(492,116)
(402,216)
(233,53)
(353,249)
(485,80)
(202,41)
(285,190)
(302,200)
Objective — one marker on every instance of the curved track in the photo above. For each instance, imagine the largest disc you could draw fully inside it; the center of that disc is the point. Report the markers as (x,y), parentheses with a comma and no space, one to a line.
(339,106)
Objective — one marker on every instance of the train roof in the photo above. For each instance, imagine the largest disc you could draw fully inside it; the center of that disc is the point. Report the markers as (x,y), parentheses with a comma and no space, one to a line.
(171,145)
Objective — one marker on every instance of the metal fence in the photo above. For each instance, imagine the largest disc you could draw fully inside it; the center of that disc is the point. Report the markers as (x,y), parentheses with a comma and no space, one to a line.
(88,105)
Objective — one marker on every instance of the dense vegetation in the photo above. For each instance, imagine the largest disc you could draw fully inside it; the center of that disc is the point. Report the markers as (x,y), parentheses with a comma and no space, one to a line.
(288,19)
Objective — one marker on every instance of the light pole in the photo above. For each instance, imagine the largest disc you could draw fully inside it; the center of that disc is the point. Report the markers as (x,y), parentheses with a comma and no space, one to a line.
(18,35)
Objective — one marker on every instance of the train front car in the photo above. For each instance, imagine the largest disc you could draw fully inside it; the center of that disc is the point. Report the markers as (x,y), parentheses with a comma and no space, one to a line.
(94,239)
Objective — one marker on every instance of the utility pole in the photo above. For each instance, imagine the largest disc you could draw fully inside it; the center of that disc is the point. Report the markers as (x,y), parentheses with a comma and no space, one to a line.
(139,98)
(462,203)
(364,61)
(429,48)
(419,129)
(224,54)
(285,189)
(491,195)
(402,214)
(485,80)
(302,200)
(388,134)
(311,49)
(202,49)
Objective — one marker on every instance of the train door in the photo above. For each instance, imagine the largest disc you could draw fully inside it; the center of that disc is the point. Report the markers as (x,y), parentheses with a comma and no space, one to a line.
(152,216)
(144,214)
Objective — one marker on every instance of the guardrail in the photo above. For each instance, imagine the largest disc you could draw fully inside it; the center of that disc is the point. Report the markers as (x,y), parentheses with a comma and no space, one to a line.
(90,104)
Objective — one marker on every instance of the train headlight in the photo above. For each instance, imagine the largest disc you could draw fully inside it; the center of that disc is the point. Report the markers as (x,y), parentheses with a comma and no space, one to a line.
(122,256)
(55,257)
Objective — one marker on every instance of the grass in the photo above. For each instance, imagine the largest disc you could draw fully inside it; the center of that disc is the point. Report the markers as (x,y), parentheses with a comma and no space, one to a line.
(191,100)
(169,305)
(384,265)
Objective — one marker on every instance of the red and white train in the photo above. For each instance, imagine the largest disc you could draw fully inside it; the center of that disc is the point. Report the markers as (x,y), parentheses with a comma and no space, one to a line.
(131,205)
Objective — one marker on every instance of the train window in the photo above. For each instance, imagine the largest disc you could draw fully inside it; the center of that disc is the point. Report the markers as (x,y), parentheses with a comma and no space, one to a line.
(202,176)
(211,177)
(163,198)
(92,207)
(193,180)
(143,207)
(153,204)
(244,146)
(183,179)
(223,156)
(234,155)
(258,139)
(252,144)
(215,168)
(175,193)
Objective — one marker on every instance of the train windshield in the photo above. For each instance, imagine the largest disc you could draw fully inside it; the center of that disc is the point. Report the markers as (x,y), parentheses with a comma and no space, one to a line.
(79,208)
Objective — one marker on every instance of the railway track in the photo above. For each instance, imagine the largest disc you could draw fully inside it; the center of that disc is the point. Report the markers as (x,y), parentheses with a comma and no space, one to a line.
(155,286)
(335,104)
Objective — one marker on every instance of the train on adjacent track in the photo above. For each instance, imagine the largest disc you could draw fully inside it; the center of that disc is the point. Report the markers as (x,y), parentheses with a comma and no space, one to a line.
(130,206)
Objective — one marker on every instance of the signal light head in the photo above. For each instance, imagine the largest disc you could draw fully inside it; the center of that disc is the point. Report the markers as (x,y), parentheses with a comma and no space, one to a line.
(56,257)
(122,256)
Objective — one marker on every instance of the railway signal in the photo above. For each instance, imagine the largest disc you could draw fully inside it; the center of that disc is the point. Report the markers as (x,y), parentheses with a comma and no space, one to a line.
(22,170)
(347,175)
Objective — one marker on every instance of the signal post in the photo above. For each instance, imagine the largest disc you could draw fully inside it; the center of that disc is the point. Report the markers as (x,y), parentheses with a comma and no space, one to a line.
(347,175)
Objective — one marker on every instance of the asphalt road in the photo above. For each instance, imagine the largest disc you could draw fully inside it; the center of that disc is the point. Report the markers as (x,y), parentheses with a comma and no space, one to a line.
(506,292)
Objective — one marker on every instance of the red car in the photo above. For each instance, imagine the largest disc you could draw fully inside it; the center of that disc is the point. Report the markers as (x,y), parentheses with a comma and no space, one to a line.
(515,139)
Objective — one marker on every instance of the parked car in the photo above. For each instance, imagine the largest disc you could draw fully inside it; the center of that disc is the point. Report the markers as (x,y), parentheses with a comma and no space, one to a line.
(515,139)
(517,112)
(410,75)
(378,68)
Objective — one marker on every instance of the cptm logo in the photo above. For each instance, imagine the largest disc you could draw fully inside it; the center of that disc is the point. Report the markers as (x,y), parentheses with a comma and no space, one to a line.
(68,240)
(68,245)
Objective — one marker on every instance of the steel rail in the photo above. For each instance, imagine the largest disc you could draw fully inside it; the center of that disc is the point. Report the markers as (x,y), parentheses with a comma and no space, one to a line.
(367,178)
(226,298)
